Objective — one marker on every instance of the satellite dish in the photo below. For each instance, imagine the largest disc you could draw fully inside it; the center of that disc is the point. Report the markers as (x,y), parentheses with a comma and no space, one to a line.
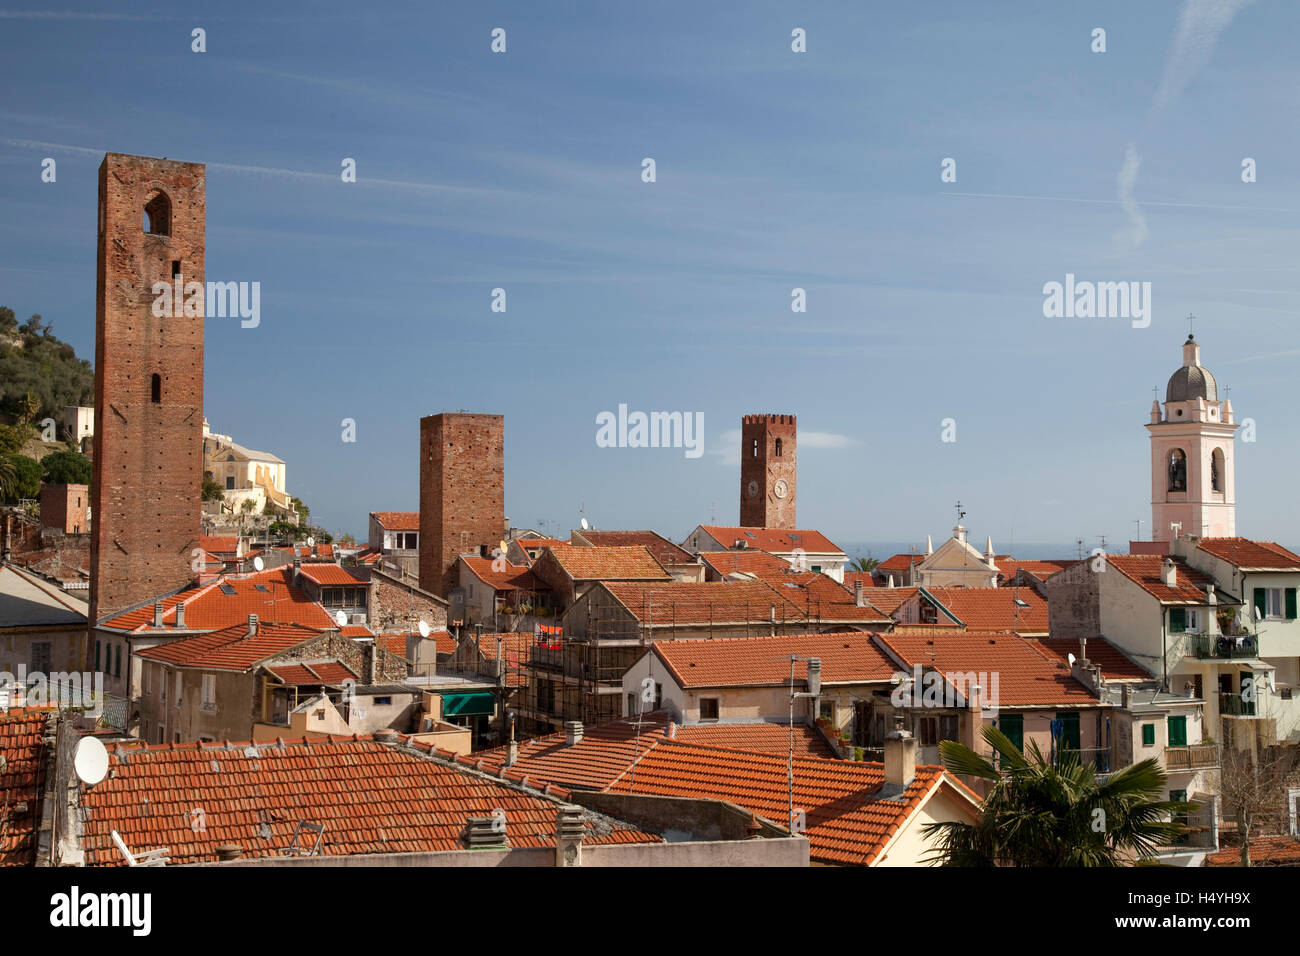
(585,526)
(1070,658)
(91,761)
(311,542)
(341,619)
(424,628)
(258,564)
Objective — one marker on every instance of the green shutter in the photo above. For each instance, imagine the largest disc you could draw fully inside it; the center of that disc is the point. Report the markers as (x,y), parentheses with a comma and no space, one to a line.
(1261,603)
(97,655)
(1013,725)
(1290,604)
(1177,619)
(1148,735)
(1069,730)
(1178,731)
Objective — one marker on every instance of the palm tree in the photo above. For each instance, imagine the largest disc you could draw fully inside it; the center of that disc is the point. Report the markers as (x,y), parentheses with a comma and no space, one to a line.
(863,564)
(1054,812)
(8,477)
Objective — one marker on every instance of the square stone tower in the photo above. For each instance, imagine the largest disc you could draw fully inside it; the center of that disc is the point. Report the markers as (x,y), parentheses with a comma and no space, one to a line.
(462,492)
(767,471)
(148,458)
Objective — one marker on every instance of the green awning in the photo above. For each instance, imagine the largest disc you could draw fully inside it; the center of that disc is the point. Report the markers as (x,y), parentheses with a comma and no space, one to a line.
(469,705)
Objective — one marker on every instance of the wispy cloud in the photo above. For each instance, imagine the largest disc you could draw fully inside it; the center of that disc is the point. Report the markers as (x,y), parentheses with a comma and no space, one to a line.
(1199,26)
(1137,224)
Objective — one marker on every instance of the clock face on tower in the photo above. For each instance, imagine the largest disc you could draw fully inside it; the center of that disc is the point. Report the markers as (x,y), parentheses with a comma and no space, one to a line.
(780,489)
(753,489)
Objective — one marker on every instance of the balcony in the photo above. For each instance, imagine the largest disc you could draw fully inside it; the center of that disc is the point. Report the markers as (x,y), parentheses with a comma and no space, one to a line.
(1231,705)
(1096,757)
(1222,647)
(1191,757)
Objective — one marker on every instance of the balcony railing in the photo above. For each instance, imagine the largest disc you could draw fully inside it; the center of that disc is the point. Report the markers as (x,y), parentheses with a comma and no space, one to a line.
(1231,705)
(1096,757)
(1222,647)
(1192,757)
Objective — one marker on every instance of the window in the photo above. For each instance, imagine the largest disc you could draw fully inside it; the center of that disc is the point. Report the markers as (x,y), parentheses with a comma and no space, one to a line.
(1177,620)
(1193,620)
(778,448)
(948,727)
(98,647)
(1216,470)
(117,661)
(1177,731)
(1148,735)
(1275,603)
(1177,470)
(826,709)
(145,670)
(929,731)
(179,678)
(755,451)
(230,482)
(158,214)
(209,692)
(162,688)
(155,389)
(383,701)
(708,708)
(41,656)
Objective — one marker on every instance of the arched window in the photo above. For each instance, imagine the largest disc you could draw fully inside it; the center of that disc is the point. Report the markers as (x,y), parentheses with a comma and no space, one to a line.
(1216,470)
(755,447)
(1177,470)
(778,448)
(155,395)
(158,214)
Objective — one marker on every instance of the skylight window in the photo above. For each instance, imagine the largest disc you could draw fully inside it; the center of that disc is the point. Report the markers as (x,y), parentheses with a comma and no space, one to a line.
(1021,602)
(263,588)
(227,590)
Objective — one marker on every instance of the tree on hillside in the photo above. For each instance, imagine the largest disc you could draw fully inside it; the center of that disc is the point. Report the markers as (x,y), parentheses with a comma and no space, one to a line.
(66,468)
(1054,812)
(35,366)
(26,482)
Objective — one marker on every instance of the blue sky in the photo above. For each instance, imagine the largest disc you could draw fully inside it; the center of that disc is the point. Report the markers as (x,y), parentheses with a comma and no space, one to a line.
(775,170)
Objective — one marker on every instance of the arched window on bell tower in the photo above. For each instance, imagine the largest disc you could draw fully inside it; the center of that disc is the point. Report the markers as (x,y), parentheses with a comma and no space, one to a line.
(1216,470)
(1177,470)
(755,447)
(155,389)
(158,214)
(778,448)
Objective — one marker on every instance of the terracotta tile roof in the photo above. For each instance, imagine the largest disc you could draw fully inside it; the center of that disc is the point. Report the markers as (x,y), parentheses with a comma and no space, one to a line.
(1248,555)
(1027,675)
(609,564)
(847,658)
(314,672)
(664,551)
(888,600)
(1264,851)
(22,783)
(760,738)
(1144,570)
(395,642)
(1039,569)
(355,630)
(533,547)
(708,602)
(209,607)
(515,577)
(397,520)
(230,649)
(334,575)
(994,609)
(747,561)
(321,551)
(1115,664)
(899,562)
(847,822)
(818,593)
(225,543)
(371,798)
(773,540)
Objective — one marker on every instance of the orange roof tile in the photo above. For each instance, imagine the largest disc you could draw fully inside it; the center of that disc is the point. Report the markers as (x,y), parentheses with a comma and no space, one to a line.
(334,575)
(1248,555)
(708,602)
(761,738)
(899,562)
(22,783)
(225,543)
(210,607)
(314,672)
(1042,570)
(773,540)
(513,577)
(1145,571)
(847,658)
(664,551)
(398,520)
(1264,851)
(887,599)
(370,797)
(231,648)
(1027,675)
(1115,664)
(608,564)
(994,609)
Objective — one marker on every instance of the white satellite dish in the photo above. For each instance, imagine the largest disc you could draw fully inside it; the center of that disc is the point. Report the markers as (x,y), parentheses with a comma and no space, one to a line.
(341,619)
(91,761)
(258,564)
(311,542)
(424,628)
(1070,658)
(585,526)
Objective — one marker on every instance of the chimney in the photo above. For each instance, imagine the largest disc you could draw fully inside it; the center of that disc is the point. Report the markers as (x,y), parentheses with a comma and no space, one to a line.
(180,615)
(857,594)
(512,753)
(900,759)
(1211,613)
(157,615)
(500,662)
(252,625)
(970,733)
(372,662)
(1169,573)
(572,732)
(1083,648)
(569,830)
(1125,696)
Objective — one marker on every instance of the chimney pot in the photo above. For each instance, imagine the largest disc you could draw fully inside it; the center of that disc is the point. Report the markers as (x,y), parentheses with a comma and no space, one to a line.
(180,615)
(572,732)
(900,758)
(158,615)
(252,624)
(857,593)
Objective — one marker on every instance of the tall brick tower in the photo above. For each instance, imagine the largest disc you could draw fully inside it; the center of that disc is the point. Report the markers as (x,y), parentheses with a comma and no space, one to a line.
(767,471)
(462,492)
(148,462)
